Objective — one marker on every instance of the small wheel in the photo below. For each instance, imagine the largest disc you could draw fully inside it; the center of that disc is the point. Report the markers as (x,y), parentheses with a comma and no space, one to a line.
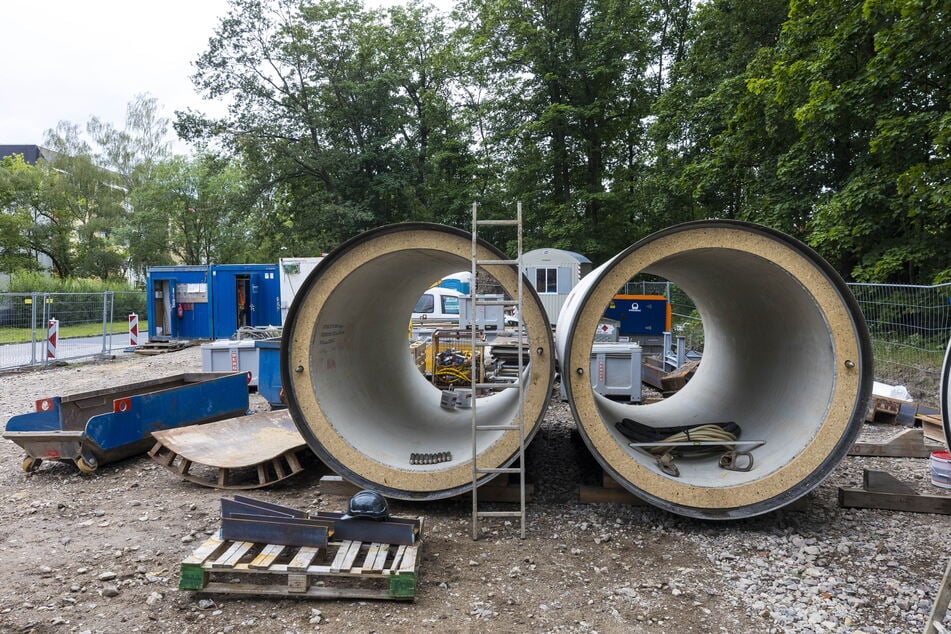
(31,464)
(84,466)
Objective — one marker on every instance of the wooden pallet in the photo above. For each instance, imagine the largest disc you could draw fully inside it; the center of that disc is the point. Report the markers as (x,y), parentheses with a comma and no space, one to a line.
(882,409)
(343,570)
(161,347)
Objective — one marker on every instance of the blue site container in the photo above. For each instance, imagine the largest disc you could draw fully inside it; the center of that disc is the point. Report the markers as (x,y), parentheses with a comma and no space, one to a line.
(211,301)
(93,428)
(269,371)
(640,314)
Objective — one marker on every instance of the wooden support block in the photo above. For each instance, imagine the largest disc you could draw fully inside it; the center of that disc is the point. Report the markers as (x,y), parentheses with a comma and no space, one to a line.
(932,427)
(909,443)
(335,485)
(589,494)
(883,491)
(297,583)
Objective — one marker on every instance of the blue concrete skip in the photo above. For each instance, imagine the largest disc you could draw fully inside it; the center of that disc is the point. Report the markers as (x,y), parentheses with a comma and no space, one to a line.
(51,432)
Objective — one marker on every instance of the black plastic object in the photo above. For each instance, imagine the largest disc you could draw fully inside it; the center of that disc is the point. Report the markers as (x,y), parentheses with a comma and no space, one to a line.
(639,432)
(368,505)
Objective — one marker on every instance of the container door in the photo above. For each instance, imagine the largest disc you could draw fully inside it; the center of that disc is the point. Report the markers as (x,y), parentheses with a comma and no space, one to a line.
(257,309)
(244,301)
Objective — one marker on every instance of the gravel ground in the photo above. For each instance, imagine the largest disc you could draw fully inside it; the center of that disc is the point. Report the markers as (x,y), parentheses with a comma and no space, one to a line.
(100,553)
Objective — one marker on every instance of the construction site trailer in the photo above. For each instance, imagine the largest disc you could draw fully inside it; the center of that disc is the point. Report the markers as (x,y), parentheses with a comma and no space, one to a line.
(553,273)
(211,301)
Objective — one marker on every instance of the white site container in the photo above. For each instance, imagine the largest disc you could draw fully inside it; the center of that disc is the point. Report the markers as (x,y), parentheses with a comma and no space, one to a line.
(616,370)
(488,318)
(228,355)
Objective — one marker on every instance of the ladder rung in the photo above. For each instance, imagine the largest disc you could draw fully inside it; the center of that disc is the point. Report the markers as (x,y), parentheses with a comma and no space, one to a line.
(497,223)
(499,513)
(488,262)
(496,386)
(496,427)
(499,470)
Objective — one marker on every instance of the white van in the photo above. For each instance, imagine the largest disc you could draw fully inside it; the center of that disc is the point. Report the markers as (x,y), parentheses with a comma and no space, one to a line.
(438,304)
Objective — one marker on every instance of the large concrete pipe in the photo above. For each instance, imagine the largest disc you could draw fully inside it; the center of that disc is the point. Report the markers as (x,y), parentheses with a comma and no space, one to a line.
(352,386)
(786,356)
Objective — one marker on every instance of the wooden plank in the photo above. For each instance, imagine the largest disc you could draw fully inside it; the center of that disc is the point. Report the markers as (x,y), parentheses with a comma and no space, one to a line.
(860,498)
(940,606)
(372,551)
(409,559)
(397,559)
(503,492)
(590,494)
(303,558)
(232,555)
(206,550)
(267,556)
(337,563)
(316,592)
(384,551)
(351,555)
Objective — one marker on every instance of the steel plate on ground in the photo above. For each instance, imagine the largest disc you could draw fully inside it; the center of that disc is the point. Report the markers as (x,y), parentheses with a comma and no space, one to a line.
(246,452)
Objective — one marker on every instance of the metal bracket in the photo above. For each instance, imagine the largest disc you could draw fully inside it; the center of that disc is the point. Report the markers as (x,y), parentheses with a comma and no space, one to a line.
(666,464)
(737,461)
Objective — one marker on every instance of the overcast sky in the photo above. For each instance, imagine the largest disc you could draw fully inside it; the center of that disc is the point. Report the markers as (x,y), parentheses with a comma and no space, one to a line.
(70,60)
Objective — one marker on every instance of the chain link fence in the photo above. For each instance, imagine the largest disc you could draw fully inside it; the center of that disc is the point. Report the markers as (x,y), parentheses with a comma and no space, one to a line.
(909,326)
(43,328)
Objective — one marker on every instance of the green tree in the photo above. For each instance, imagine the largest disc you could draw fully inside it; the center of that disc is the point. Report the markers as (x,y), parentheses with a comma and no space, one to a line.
(19,190)
(192,211)
(838,133)
(342,116)
(566,92)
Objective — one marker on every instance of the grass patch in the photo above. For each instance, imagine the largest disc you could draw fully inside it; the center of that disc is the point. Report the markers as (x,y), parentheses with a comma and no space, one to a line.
(24,335)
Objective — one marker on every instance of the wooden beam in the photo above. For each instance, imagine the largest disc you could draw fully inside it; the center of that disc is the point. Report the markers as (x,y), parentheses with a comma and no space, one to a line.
(889,500)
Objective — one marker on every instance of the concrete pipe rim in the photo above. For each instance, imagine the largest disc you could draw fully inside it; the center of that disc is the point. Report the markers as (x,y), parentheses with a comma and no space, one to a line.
(403,254)
(828,443)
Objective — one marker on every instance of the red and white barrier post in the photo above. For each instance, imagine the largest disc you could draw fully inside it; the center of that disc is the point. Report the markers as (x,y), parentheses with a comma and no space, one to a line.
(133,329)
(52,338)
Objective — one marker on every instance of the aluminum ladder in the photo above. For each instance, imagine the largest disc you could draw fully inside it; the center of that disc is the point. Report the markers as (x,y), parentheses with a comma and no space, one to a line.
(478,471)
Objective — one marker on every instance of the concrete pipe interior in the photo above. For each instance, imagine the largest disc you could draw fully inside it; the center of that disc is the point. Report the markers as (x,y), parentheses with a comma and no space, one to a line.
(786,356)
(351,383)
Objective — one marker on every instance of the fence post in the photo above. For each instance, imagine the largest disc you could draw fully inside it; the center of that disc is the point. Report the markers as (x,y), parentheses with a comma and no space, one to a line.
(105,317)
(45,320)
(33,329)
